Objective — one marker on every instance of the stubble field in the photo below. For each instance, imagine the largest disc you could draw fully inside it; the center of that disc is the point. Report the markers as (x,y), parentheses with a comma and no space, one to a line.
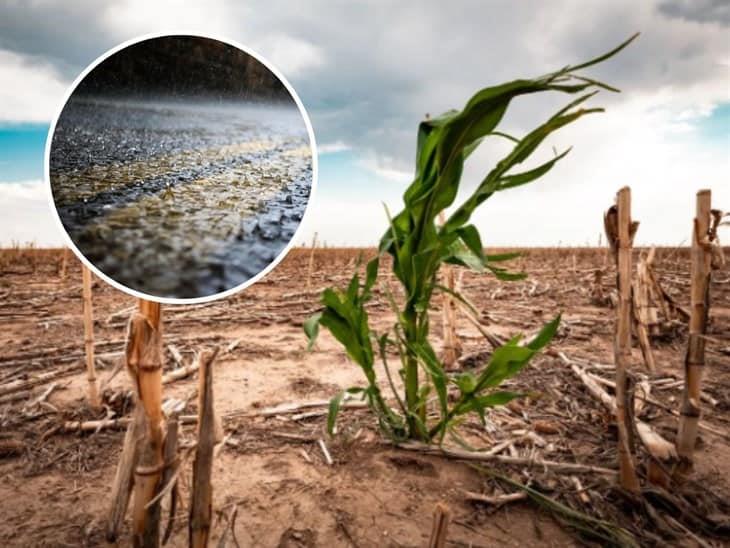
(270,394)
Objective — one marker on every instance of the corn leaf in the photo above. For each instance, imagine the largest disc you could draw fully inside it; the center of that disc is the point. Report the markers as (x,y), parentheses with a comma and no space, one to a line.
(545,335)
(466,382)
(506,276)
(418,247)
(311,329)
(435,371)
(480,403)
(506,361)
(334,409)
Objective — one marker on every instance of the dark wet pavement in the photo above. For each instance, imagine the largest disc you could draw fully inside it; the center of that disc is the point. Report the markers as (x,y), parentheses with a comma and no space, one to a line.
(179,200)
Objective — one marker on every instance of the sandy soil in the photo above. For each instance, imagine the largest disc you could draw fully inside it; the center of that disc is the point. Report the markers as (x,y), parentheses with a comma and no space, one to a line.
(55,491)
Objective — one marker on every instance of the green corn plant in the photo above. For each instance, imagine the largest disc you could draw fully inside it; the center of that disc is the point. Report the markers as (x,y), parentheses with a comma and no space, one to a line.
(418,247)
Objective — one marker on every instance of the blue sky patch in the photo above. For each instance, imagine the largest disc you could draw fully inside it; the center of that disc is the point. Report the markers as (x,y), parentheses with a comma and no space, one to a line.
(21,151)
(716,127)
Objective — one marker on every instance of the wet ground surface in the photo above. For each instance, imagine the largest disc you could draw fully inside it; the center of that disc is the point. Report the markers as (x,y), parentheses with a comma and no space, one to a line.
(180,200)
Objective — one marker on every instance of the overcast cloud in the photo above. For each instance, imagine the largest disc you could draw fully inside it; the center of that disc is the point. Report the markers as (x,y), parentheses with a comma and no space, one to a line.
(368,73)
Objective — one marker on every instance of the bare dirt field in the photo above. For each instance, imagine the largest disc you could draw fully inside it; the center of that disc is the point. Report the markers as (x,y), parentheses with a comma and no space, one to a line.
(56,480)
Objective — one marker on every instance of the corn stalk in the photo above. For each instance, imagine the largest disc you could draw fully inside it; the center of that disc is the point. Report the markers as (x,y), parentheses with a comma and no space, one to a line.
(419,247)
(694,362)
(201,496)
(620,232)
(144,363)
(94,401)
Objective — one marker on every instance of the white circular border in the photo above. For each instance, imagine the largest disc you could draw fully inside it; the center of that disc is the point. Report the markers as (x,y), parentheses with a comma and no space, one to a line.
(168,300)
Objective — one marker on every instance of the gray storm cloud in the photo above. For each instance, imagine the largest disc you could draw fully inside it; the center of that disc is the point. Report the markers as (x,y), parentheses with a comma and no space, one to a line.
(384,65)
(703,11)
(367,74)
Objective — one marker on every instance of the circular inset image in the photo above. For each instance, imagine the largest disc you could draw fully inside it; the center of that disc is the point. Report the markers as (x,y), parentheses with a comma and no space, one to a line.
(180,167)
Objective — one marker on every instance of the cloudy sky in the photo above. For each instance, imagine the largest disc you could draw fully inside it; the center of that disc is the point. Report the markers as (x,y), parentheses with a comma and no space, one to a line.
(368,73)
